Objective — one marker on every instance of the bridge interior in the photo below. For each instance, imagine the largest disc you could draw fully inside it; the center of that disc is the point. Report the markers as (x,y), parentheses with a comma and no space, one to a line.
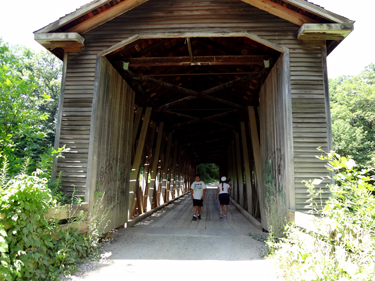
(195,101)
(199,87)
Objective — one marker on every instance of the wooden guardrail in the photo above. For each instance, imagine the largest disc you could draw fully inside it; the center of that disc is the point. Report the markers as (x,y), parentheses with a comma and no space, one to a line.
(311,223)
(64,213)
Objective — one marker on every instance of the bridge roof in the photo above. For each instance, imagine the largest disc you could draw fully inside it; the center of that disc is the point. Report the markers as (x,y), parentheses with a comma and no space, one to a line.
(98,12)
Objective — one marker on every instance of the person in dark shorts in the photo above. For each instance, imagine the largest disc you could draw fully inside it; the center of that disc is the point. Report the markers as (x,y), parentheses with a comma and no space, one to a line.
(223,191)
(198,191)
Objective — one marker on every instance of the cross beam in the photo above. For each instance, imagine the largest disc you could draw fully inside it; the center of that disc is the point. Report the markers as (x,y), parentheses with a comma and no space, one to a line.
(191,93)
(198,60)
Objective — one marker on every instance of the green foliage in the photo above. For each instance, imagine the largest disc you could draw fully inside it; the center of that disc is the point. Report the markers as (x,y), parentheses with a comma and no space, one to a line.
(33,247)
(24,200)
(275,202)
(343,245)
(209,172)
(353,115)
(29,87)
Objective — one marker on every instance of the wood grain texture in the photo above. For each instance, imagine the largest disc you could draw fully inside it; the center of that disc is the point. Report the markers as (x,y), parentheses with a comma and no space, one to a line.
(218,18)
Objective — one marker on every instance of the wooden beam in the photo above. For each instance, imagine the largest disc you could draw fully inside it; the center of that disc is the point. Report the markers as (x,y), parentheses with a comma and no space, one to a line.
(176,102)
(173,170)
(280,11)
(235,177)
(164,84)
(135,85)
(239,171)
(247,169)
(137,159)
(179,114)
(126,42)
(198,60)
(319,11)
(165,168)
(190,49)
(106,15)
(154,166)
(209,119)
(222,101)
(324,31)
(230,84)
(255,145)
(148,154)
(137,120)
(72,16)
(197,74)
(70,40)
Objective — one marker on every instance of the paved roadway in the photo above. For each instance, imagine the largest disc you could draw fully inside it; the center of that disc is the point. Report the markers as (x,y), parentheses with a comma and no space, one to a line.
(170,246)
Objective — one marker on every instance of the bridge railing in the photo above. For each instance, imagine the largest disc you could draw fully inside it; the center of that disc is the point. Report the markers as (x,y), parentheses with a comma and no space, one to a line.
(66,213)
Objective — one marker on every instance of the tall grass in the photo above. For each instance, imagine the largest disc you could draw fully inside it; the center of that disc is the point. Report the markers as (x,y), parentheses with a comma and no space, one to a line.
(348,252)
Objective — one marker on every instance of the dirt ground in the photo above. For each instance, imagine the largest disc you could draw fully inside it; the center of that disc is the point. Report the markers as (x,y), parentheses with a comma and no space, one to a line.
(170,246)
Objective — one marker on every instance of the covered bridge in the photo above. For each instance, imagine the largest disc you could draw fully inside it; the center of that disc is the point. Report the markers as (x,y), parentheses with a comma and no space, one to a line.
(151,89)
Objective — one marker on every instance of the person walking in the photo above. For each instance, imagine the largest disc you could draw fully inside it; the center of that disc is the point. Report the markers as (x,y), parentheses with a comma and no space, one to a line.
(198,192)
(223,191)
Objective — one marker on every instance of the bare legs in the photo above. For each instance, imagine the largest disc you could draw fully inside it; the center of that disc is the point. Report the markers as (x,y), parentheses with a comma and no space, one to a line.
(197,208)
(225,209)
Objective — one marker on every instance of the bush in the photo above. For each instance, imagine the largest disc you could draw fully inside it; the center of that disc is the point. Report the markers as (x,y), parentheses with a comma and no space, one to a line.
(31,246)
(348,253)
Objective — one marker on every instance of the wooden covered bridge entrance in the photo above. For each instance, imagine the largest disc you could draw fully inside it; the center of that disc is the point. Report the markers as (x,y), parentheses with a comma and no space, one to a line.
(153,88)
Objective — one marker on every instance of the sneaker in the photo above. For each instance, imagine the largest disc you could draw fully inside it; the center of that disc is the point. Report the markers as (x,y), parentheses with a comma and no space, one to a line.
(194,218)
(221,215)
(199,217)
(225,217)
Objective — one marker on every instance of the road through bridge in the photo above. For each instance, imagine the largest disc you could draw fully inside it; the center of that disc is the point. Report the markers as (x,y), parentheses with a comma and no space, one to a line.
(170,246)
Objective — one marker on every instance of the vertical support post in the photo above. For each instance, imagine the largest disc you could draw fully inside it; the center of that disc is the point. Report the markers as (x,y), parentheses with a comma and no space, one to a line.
(137,160)
(173,171)
(235,180)
(164,191)
(154,167)
(146,168)
(137,120)
(256,150)
(239,171)
(247,169)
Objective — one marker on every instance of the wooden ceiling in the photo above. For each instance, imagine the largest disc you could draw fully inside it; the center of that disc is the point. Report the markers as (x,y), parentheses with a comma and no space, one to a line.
(200,87)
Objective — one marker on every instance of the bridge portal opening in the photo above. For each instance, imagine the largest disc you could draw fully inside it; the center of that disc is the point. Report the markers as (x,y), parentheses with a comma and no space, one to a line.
(203,100)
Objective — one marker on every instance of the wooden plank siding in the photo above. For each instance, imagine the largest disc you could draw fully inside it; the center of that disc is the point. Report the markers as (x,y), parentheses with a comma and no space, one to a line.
(274,147)
(164,18)
(110,143)
(310,129)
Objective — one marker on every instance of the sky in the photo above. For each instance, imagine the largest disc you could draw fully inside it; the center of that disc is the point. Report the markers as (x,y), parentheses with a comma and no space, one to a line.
(19,19)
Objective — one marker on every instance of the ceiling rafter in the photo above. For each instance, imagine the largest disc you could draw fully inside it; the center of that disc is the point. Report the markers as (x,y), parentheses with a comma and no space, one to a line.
(197,60)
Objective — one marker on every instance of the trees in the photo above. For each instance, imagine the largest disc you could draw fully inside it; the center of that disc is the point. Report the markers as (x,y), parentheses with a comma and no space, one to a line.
(27,81)
(209,172)
(353,115)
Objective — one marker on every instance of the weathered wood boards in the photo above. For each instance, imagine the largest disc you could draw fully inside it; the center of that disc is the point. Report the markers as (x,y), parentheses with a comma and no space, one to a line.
(274,190)
(110,141)
(85,114)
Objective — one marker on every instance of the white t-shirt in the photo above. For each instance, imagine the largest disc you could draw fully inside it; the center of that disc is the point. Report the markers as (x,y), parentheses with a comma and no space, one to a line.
(223,188)
(198,189)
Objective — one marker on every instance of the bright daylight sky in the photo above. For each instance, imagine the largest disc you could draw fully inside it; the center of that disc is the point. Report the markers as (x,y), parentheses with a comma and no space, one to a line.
(18,20)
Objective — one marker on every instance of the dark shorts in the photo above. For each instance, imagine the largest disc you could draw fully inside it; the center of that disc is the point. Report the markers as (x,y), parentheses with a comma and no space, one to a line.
(197,202)
(224,199)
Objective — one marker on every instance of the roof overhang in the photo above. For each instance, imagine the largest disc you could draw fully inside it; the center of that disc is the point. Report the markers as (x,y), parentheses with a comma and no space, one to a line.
(293,16)
(69,41)
(316,23)
(330,31)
